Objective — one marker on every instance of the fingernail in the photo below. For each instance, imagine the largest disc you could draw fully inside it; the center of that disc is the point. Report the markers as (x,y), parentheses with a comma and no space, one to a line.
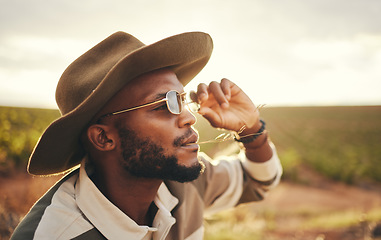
(200,112)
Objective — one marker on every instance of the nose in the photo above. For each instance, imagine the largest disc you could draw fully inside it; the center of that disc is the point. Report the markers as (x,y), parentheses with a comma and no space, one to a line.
(186,118)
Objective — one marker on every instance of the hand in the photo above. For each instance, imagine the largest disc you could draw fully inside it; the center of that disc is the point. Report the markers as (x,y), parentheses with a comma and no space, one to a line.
(225,105)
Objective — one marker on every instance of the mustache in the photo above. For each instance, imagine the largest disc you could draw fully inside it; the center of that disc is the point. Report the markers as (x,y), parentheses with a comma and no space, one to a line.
(180,140)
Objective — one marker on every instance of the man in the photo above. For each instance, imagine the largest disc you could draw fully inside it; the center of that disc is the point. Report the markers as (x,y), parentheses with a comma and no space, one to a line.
(126,122)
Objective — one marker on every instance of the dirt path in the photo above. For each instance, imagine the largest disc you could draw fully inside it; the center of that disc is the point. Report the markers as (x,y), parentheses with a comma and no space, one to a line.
(339,211)
(332,197)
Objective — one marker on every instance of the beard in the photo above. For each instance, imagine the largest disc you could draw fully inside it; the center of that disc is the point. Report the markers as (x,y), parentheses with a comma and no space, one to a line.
(144,158)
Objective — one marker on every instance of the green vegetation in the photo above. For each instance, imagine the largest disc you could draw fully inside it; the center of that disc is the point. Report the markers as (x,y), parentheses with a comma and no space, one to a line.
(20,128)
(244,223)
(235,224)
(342,143)
(340,219)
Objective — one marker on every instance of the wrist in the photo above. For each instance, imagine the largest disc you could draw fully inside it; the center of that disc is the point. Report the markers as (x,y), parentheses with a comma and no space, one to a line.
(246,136)
(259,142)
(260,149)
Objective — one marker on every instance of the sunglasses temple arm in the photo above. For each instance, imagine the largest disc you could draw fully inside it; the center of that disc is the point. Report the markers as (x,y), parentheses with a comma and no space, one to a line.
(138,107)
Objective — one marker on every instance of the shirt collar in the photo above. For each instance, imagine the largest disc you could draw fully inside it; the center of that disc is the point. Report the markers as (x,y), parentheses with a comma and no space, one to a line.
(109,219)
(165,197)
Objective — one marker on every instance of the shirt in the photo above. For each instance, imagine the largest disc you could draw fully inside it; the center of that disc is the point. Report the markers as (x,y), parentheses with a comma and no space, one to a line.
(75,209)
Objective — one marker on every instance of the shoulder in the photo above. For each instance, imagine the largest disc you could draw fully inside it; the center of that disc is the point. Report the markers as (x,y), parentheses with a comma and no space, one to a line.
(45,217)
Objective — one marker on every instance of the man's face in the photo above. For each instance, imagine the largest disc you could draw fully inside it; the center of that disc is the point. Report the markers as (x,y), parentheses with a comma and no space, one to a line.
(155,143)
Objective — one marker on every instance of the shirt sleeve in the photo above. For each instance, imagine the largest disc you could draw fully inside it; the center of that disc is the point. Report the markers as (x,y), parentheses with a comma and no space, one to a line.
(224,184)
(268,172)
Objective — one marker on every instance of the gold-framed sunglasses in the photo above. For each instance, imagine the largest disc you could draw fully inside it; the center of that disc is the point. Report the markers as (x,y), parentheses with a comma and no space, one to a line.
(175,102)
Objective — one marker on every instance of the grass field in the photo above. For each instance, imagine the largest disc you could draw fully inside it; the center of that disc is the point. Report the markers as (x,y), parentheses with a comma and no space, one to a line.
(342,143)
(322,149)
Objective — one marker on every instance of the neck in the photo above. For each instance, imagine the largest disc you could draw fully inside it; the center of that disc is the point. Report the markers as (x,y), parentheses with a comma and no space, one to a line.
(133,196)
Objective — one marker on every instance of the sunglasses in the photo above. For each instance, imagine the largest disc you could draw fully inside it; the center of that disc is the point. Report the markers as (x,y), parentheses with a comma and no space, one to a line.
(175,102)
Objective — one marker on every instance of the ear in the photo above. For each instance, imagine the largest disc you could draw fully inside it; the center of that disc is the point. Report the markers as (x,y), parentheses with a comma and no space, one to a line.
(101,137)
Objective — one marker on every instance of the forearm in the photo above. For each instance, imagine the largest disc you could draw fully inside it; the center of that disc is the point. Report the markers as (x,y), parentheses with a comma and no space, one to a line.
(261,161)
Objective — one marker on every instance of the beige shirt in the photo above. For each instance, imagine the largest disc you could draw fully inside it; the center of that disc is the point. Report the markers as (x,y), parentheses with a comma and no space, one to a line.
(77,206)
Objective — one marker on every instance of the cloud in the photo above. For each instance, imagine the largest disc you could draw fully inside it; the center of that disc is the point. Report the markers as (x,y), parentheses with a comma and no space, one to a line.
(285,47)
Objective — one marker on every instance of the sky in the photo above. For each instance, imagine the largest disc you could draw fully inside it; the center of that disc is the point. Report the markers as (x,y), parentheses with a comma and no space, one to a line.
(280,52)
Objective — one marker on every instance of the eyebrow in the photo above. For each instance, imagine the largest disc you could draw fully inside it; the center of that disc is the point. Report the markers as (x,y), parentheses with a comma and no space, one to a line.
(154,98)
(159,96)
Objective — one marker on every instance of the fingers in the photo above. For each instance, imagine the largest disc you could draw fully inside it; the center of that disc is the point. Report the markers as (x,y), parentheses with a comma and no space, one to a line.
(216,89)
(225,105)
(202,92)
(226,88)
(220,91)
(212,117)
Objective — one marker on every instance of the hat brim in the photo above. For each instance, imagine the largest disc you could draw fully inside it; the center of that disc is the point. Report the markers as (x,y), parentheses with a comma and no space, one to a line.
(59,149)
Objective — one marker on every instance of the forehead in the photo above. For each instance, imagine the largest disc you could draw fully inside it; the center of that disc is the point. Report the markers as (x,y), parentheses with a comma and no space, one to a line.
(143,89)
(153,83)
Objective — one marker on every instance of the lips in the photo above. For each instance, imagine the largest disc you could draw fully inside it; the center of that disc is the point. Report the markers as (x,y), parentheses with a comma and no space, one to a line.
(191,140)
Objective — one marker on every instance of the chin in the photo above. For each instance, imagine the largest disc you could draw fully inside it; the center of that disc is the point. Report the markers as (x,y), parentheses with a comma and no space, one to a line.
(188,161)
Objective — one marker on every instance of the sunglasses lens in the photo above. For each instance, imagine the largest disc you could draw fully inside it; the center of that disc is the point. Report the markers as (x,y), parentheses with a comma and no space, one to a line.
(174,102)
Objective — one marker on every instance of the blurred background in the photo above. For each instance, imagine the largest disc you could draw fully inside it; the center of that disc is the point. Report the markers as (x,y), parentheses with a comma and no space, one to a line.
(315,64)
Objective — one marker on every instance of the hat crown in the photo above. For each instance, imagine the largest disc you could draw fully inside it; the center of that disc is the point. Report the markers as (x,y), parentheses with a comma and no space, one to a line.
(83,76)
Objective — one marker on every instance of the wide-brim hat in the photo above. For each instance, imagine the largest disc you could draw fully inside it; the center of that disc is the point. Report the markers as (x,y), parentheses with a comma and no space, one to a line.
(96,76)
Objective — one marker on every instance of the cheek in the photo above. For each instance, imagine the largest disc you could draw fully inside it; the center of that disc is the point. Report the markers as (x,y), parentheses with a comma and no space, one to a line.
(163,134)
(159,127)
(163,137)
